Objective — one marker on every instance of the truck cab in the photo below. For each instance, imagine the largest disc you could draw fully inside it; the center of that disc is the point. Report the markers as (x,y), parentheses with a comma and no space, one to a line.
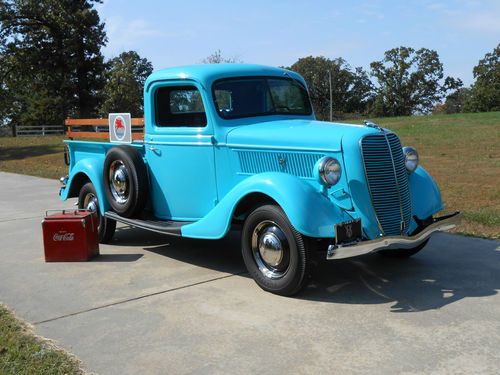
(239,144)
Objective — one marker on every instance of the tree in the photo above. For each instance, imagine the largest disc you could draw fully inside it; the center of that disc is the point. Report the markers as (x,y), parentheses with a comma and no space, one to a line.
(408,82)
(54,67)
(218,58)
(125,78)
(485,92)
(361,92)
(3,84)
(456,102)
(351,89)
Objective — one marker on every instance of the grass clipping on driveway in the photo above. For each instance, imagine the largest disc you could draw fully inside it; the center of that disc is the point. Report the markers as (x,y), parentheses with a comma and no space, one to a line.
(21,352)
(460,151)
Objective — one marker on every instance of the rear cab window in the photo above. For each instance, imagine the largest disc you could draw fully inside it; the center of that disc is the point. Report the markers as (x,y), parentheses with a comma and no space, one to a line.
(179,106)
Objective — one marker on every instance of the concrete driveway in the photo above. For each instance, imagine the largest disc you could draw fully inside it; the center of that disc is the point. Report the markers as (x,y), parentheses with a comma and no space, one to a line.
(159,305)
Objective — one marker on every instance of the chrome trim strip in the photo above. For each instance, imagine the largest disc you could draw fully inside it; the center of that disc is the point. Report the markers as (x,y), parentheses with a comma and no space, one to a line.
(178,143)
(442,224)
(272,147)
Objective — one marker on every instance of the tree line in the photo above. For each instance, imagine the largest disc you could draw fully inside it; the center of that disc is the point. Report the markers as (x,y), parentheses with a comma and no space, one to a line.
(52,68)
(404,82)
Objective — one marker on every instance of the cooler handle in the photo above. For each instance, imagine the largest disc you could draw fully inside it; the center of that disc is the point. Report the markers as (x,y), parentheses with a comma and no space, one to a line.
(74,210)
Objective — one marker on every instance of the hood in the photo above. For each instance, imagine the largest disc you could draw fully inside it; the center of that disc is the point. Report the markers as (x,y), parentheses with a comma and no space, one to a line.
(296,134)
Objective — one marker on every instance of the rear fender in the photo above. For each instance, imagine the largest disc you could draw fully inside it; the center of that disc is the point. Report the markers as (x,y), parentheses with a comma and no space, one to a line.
(309,211)
(93,170)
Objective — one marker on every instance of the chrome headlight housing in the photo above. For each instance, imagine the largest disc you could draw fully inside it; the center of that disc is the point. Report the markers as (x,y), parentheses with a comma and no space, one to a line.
(411,159)
(329,170)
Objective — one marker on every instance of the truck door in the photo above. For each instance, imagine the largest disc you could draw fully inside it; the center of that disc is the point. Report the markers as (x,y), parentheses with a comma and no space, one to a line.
(179,151)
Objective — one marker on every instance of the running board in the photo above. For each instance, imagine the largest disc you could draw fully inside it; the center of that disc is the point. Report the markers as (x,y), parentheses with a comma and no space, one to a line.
(169,227)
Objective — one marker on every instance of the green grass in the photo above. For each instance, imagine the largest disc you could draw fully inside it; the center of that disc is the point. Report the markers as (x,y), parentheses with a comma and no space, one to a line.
(484,216)
(21,352)
(35,156)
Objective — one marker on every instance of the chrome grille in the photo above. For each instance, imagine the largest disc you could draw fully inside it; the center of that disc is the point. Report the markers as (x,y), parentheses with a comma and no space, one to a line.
(387,181)
(297,164)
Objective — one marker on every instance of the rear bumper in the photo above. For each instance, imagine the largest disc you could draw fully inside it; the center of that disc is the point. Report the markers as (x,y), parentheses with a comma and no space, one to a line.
(440,224)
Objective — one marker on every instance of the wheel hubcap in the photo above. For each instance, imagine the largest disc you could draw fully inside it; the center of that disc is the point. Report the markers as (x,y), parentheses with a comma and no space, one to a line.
(91,203)
(119,181)
(270,249)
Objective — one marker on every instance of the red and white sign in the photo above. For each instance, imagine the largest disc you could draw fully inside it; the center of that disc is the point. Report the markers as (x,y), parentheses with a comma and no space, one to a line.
(120,128)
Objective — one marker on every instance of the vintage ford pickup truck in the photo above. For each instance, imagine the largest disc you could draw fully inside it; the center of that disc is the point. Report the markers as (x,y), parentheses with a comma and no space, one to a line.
(236,145)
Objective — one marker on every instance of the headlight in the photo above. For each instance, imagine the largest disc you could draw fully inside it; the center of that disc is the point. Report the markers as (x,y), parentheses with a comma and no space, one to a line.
(330,171)
(411,158)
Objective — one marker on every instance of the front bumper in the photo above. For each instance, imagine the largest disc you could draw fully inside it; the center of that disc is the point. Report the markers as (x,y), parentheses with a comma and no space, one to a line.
(439,224)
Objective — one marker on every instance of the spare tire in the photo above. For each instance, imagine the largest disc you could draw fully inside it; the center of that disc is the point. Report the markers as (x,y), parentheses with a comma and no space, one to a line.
(125,181)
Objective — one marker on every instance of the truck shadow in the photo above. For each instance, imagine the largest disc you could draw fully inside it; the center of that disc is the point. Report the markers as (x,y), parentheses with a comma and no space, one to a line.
(114,258)
(220,255)
(450,268)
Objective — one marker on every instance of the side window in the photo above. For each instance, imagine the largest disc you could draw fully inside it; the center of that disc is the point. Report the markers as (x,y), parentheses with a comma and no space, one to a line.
(179,106)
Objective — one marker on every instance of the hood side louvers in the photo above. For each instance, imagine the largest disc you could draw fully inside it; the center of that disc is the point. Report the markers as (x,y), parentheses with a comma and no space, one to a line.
(298,164)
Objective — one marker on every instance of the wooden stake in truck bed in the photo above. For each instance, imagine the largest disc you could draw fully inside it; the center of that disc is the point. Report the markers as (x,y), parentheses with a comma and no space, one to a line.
(96,128)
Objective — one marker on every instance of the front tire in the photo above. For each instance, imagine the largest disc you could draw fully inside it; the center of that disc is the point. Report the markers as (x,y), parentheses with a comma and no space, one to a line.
(275,254)
(87,200)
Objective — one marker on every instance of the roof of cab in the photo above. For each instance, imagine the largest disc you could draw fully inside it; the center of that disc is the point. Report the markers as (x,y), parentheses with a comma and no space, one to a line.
(208,73)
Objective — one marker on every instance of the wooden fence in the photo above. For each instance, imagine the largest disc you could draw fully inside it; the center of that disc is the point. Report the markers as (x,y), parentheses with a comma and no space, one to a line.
(26,131)
(98,128)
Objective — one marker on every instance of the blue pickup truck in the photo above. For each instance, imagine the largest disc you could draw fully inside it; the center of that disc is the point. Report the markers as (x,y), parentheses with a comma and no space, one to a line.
(236,145)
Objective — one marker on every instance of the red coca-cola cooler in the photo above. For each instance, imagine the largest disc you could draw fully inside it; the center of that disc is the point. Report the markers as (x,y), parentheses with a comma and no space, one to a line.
(70,236)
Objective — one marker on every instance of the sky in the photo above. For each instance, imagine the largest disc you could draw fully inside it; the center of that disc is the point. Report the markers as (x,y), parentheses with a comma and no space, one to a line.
(279,32)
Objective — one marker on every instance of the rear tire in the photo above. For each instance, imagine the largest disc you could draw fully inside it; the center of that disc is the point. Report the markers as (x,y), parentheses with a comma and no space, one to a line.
(87,200)
(403,253)
(275,254)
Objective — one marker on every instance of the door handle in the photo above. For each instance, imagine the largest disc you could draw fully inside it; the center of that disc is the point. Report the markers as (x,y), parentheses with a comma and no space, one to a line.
(154,150)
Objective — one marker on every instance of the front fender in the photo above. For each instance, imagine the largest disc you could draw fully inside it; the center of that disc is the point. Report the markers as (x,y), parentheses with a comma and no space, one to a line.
(309,211)
(425,195)
(93,169)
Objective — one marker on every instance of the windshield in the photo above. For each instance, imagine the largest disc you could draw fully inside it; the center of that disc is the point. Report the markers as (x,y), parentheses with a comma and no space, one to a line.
(259,96)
